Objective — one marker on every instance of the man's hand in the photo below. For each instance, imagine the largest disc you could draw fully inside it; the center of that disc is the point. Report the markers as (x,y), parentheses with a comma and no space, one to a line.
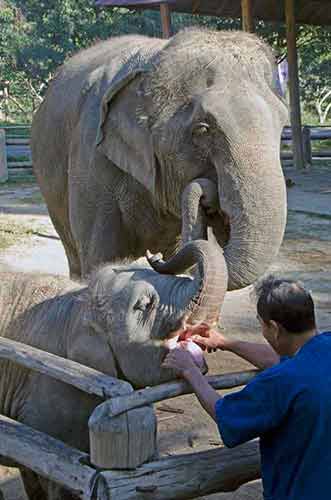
(211,340)
(180,360)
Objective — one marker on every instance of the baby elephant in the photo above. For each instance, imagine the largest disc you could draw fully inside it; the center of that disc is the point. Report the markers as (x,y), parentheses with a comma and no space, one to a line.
(118,323)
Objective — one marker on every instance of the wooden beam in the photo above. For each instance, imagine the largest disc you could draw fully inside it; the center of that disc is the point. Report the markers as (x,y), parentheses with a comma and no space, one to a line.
(186,476)
(70,372)
(292,55)
(143,397)
(165,20)
(46,456)
(247,16)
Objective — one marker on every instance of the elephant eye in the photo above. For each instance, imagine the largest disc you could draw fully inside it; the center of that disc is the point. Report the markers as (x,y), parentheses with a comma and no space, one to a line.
(143,304)
(201,129)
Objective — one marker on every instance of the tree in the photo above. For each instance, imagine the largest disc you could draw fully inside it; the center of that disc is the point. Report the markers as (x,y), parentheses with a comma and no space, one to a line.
(315,67)
(323,105)
(36,36)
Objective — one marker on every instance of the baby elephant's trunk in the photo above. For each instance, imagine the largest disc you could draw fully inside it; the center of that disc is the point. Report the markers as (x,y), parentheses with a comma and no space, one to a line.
(204,294)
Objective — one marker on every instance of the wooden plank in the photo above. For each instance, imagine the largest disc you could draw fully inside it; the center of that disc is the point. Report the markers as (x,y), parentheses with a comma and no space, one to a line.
(3,157)
(292,55)
(326,153)
(144,397)
(46,456)
(247,16)
(165,20)
(20,164)
(11,141)
(187,476)
(70,372)
(16,172)
(11,127)
(316,133)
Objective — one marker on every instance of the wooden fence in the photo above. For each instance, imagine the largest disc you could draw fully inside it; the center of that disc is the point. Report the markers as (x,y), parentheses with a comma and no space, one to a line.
(18,146)
(123,439)
(310,134)
(15,152)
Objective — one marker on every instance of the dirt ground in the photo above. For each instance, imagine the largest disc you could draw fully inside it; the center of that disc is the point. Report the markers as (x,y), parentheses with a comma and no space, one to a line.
(305,255)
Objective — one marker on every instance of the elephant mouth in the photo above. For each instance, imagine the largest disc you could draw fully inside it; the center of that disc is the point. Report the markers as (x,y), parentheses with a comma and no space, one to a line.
(217,220)
(218,225)
(183,340)
(202,213)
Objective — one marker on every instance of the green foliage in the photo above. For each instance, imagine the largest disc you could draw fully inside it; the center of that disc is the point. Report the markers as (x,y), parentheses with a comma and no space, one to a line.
(36,36)
(315,66)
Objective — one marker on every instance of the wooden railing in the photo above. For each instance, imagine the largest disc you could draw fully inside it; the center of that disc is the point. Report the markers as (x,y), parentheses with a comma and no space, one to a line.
(123,439)
(13,146)
(310,135)
(18,146)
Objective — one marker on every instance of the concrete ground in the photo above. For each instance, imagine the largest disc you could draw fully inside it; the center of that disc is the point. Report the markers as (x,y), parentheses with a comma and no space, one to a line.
(305,255)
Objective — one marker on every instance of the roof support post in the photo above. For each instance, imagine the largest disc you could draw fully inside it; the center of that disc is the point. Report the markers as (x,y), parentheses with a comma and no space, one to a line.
(165,20)
(247,16)
(291,32)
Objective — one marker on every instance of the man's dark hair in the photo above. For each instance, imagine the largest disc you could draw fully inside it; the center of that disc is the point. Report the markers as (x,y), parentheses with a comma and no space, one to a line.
(286,302)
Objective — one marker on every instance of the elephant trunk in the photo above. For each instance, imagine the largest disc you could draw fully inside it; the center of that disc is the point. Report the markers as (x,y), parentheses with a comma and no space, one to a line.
(252,192)
(202,296)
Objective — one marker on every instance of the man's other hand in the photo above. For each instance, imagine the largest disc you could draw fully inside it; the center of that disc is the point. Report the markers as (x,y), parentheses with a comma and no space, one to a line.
(180,360)
(211,340)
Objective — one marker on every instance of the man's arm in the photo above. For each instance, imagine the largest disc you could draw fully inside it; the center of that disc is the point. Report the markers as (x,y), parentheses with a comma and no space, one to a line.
(260,355)
(242,415)
(181,360)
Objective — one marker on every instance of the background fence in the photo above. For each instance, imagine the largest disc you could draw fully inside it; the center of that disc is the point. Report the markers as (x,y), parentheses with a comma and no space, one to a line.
(16,161)
(15,152)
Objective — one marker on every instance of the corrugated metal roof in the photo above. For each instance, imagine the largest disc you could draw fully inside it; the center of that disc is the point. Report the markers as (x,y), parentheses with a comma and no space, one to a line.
(307,11)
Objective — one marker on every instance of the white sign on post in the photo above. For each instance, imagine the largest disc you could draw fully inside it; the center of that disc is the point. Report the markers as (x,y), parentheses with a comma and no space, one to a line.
(282,77)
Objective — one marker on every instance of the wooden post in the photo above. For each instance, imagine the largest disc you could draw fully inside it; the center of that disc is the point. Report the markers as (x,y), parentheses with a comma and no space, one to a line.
(307,153)
(3,157)
(247,16)
(122,442)
(165,20)
(297,142)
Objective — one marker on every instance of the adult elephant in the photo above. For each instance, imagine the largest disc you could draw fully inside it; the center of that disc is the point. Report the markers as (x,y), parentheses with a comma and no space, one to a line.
(128,124)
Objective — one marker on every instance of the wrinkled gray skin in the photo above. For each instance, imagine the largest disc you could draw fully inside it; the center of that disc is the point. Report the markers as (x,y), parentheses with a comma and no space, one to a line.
(128,124)
(116,324)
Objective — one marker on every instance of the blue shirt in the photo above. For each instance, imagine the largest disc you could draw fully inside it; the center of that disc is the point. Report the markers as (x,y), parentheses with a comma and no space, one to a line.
(289,407)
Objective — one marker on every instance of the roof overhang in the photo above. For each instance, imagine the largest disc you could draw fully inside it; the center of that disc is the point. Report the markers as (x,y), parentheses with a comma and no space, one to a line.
(307,11)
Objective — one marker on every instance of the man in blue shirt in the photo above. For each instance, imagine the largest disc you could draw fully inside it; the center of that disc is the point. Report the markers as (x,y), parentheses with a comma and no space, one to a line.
(288,405)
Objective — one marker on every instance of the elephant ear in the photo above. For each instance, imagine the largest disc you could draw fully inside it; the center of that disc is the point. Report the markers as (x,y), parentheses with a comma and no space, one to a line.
(123,131)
